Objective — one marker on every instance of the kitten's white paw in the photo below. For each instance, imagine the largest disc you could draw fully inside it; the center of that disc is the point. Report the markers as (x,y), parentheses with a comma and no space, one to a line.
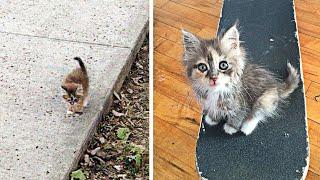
(69,112)
(210,121)
(248,126)
(229,129)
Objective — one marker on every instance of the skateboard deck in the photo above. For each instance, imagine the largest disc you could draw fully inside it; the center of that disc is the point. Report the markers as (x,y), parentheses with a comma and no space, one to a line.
(277,149)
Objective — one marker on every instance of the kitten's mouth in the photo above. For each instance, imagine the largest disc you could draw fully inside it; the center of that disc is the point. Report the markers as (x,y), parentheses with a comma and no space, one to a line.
(213,81)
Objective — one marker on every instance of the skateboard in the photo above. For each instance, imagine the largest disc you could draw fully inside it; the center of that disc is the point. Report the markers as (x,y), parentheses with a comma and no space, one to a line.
(277,149)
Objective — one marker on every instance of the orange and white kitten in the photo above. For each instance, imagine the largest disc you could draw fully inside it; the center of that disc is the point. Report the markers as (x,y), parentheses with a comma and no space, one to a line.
(76,86)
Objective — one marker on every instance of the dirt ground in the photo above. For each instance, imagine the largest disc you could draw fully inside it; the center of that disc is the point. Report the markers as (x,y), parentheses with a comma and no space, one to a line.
(119,149)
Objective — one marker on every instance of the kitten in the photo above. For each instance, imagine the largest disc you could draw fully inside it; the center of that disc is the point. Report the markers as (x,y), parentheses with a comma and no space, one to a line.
(228,86)
(76,85)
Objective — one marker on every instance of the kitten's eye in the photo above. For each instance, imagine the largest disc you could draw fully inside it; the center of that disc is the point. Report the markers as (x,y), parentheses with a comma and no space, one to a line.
(202,67)
(75,100)
(223,65)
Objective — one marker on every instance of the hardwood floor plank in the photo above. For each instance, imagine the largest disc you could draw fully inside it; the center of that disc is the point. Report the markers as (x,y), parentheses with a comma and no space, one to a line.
(176,21)
(313,109)
(171,49)
(181,116)
(314,90)
(157,41)
(205,6)
(310,65)
(314,159)
(169,167)
(160,3)
(312,176)
(307,13)
(171,65)
(309,44)
(314,132)
(168,32)
(175,142)
(308,29)
(192,14)
(306,84)
(175,89)
(207,33)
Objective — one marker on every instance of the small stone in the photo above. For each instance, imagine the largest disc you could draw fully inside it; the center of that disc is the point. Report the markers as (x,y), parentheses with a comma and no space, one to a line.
(117,167)
(86,159)
(122,176)
(102,140)
(130,91)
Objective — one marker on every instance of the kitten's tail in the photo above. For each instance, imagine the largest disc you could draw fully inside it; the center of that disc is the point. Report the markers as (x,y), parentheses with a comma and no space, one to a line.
(291,82)
(81,64)
(84,78)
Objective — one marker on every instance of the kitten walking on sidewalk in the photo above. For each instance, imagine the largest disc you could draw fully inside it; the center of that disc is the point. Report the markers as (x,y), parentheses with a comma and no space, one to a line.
(76,86)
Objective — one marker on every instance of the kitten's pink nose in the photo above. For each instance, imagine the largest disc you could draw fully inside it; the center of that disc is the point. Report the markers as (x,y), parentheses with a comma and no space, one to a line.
(213,81)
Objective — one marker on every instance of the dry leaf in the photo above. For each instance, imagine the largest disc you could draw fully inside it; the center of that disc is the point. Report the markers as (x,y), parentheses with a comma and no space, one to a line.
(117,114)
(117,95)
(94,152)
(101,154)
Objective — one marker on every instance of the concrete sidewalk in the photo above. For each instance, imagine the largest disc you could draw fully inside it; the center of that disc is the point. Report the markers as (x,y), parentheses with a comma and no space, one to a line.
(38,41)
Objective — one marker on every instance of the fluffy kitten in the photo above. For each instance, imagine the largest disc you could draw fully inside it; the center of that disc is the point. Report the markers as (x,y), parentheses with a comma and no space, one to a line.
(228,86)
(76,85)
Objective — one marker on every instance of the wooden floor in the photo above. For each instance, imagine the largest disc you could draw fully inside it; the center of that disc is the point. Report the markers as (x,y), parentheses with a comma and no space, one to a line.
(176,113)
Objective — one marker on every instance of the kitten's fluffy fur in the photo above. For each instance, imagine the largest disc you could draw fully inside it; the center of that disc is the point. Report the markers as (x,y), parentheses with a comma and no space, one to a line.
(229,87)
(76,85)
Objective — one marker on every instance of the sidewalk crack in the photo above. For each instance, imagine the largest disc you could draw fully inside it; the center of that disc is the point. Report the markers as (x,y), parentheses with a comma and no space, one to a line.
(65,40)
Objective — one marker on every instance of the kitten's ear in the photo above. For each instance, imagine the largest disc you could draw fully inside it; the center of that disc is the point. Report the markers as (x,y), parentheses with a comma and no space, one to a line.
(64,87)
(230,40)
(190,41)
